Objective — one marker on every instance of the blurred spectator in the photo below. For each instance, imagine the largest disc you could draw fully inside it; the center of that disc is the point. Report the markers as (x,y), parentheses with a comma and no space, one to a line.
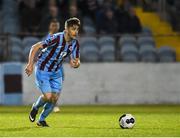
(52,13)
(134,23)
(73,11)
(107,23)
(122,17)
(124,4)
(29,16)
(173,12)
(110,16)
(150,5)
(89,8)
(63,6)
(109,4)
(54,26)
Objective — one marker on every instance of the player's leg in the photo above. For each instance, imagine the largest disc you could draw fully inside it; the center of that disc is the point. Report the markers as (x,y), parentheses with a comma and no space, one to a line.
(56,85)
(40,102)
(48,107)
(42,82)
(34,110)
(56,108)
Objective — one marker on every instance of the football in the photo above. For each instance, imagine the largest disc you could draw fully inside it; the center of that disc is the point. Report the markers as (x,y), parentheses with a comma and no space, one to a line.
(126,121)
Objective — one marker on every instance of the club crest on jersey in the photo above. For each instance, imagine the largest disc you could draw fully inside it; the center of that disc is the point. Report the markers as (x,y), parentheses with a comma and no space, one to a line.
(52,37)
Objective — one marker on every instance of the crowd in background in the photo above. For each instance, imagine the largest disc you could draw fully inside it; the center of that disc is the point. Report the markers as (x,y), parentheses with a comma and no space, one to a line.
(25,22)
(108,16)
(173,10)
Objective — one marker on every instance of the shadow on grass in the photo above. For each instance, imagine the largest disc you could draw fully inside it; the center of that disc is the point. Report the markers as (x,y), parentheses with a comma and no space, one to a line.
(16,129)
(84,127)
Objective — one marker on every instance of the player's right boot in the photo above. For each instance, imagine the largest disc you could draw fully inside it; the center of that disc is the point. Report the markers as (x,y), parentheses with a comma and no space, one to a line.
(32,115)
(56,109)
(42,124)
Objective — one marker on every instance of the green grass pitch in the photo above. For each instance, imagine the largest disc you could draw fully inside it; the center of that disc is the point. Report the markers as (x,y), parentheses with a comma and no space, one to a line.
(80,121)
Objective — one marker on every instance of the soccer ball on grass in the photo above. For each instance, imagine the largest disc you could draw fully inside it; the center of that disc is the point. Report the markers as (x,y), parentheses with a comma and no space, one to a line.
(126,121)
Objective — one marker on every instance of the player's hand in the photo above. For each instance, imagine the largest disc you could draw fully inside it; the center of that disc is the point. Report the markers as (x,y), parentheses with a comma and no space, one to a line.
(29,69)
(75,63)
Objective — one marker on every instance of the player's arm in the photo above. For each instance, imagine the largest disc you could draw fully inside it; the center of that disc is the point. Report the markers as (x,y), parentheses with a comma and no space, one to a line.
(32,53)
(46,43)
(75,63)
(75,57)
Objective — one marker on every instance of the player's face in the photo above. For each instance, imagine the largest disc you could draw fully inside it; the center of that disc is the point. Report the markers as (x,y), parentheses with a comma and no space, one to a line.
(54,27)
(73,31)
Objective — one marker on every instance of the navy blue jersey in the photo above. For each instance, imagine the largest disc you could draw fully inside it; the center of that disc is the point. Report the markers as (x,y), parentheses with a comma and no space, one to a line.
(55,50)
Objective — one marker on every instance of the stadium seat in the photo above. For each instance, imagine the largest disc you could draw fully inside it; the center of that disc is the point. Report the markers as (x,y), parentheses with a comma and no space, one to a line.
(15,41)
(27,43)
(106,40)
(89,49)
(166,54)
(127,39)
(85,40)
(15,48)
(16,57)
(148,54)
(89,29)
(16,53)
(11,28)
(107,56)
(107,49)
(90,53)
(88,21)
(146,45)
(107,53)
(142,40)
(129,53)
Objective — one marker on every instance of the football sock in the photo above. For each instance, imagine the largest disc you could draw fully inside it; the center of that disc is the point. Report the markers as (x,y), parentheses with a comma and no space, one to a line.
(39,103)
(48,107)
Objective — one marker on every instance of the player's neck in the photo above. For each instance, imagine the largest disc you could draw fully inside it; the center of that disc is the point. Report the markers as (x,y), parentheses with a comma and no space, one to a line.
(66,36)
(51,32)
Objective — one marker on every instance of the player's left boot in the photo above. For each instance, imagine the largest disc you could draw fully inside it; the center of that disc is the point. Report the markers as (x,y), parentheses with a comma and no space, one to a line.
(42,123)
(32,115)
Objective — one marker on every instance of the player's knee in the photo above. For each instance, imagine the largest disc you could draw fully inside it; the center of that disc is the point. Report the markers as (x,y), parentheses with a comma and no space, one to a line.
(49,97)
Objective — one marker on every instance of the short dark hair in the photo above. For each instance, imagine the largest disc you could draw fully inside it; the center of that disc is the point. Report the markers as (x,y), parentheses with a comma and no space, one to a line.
(72,21)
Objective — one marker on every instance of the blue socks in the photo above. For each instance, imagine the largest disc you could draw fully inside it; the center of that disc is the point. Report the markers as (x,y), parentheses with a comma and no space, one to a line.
(48,107)
(39,103)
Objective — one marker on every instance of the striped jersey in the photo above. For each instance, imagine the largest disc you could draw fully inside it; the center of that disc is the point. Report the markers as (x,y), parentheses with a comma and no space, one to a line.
(55,50)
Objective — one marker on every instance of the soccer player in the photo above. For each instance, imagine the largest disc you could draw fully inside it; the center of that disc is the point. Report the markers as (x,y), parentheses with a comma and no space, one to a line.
(54,28)
(48,72)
